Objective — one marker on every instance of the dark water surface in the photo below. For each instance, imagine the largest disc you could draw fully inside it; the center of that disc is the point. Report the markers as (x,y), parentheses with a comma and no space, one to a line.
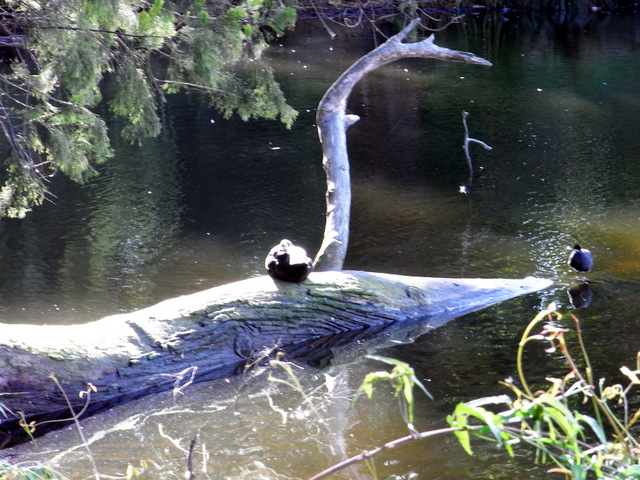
(201,206)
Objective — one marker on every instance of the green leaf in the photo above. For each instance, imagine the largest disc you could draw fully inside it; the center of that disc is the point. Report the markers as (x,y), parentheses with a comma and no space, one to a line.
(491,420)
(465,440)
(459,420)
(631,472)
(388,360)
(595,426)
(493,400)
(417,382)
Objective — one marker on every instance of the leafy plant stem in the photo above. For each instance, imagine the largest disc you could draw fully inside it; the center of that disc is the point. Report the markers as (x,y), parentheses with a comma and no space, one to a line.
(526,336)
(78,427)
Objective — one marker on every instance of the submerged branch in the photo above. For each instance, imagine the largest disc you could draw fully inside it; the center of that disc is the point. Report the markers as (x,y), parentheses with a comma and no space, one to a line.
(392,444)
(465,147)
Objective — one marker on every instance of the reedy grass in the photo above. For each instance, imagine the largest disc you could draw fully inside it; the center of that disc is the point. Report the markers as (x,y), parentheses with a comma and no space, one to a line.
(576,443)
(41,471)
(27,471)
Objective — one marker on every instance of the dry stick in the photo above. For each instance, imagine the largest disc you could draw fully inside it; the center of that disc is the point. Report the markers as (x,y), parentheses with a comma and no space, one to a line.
(78,427)
(331,33)
(465,147)
(386,446)
(190,456)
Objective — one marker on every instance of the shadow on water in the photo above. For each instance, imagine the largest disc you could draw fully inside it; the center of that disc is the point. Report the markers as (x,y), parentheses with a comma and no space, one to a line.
(103,248)
(559,106)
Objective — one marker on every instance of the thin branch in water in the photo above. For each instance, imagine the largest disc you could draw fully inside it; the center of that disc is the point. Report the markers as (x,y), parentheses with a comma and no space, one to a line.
(173,441)
(454,19)
(465,147)
(192,447)
(392,444)
(355,24)
(331,33)
(178,386)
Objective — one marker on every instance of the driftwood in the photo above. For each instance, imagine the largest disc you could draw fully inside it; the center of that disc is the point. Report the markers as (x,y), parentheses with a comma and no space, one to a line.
(221,331)
(333,122)
(218,332)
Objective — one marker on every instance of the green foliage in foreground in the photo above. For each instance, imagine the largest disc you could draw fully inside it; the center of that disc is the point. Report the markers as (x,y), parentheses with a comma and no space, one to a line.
(578,442)
(596,442)
(71,57)
(39,471)
(31,471)
(402,378)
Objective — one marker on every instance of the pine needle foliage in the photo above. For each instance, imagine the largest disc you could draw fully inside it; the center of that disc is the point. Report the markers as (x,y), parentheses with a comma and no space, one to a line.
(70,57)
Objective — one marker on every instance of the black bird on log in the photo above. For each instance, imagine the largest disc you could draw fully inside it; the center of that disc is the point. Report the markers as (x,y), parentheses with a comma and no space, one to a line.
(580,260)
(288,262)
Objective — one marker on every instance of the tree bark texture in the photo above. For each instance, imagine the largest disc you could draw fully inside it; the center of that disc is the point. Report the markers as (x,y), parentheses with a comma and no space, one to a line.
(333,122)
(217,333)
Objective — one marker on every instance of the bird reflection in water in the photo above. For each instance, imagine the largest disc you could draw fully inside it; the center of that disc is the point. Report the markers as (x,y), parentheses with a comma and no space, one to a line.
(580,295)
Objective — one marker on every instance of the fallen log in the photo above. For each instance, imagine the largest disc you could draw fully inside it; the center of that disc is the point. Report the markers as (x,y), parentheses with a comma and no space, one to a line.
(218,332)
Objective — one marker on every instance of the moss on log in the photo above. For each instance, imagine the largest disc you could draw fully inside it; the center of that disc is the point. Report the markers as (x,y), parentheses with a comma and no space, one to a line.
(217,332)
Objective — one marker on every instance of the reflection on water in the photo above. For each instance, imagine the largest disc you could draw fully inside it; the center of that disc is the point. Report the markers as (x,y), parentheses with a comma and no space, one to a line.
(580,295)
(202,206)
(127,219)
(104,247)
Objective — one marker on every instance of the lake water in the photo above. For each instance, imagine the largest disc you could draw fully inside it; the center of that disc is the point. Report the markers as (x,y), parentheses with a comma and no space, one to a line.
(201,205)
